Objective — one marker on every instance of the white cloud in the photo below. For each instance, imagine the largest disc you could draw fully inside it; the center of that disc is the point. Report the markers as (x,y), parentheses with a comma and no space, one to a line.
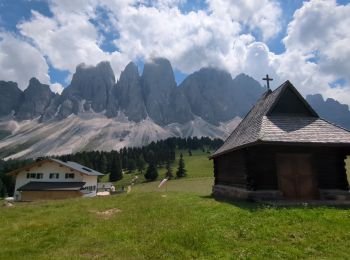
(255,14)
(149,28)
(318,49)
(19,61)
(56,88)
(66,40)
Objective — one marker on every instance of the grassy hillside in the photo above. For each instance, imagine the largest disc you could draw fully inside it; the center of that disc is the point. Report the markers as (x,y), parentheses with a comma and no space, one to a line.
(176,225)
(199,175)
(181,223)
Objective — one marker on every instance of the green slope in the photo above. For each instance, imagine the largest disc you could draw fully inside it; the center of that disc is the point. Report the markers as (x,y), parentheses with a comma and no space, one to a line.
(152,225)
(178,221)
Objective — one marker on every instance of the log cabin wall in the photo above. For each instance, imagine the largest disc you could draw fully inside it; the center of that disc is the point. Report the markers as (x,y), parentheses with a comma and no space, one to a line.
(261,165)
(327,162)
(330,168)
(230,169)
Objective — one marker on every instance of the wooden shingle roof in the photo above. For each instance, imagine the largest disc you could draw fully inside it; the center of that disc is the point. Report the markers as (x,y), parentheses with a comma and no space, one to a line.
(263,125)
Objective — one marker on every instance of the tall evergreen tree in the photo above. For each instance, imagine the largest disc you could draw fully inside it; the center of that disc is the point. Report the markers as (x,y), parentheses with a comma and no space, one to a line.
(140,163)
(181,171)
(131,165)
(104,164)
(2,189)
(151,173)
(169,172)
(116,173)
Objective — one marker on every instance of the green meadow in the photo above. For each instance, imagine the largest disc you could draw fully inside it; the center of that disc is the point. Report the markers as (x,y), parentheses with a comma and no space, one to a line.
(178,221)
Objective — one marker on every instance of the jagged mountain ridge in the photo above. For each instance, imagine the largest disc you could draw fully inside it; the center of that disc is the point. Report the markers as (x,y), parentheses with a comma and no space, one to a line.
(97,113)
(210,93)
(330,109)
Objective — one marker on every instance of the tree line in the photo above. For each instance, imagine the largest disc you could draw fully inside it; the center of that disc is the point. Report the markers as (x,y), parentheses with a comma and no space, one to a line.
(160,153)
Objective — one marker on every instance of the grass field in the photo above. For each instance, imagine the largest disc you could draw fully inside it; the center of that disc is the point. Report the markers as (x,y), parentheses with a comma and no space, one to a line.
(176,225)
(199,172)
(184,222)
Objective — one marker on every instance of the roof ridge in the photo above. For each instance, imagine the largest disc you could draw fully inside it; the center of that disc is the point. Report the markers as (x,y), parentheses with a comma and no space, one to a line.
(255,125)
(334,124)
(262,128)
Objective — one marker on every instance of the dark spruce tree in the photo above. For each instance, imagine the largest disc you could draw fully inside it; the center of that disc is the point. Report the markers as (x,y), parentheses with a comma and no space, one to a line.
(181,171)
(116,173)
(169,172)
(140,164)
(151,173)
(131,165)
(2,190)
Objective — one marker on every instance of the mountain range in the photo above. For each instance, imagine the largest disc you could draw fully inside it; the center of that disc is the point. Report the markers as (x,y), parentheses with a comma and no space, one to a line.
(97,112)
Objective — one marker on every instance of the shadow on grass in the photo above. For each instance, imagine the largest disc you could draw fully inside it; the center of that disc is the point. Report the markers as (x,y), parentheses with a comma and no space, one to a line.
(246,205)
(254,206)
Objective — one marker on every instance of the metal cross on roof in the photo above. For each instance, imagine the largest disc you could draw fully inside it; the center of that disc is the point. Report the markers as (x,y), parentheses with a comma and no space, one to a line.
(268,81)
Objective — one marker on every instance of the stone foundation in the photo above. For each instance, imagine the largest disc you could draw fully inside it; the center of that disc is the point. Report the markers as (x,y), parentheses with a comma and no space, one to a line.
(229,192)
(334,195)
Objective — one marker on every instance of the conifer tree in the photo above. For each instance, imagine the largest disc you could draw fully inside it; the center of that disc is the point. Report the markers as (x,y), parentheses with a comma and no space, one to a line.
(169,172)
(131,165)
(116,173)
(2,189)
(140,164)
(151,173)
(181,171)
(103,164)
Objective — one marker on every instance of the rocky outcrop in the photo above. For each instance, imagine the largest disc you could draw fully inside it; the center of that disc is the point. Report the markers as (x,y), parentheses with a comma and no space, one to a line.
(127,95)
(165,102)
(10,97)
(330,109)
(92,84)
(245,92)
(210,93)
(36,98)
(216,97)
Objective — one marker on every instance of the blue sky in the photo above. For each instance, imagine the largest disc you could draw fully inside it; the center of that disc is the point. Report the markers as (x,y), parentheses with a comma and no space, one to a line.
(53,37)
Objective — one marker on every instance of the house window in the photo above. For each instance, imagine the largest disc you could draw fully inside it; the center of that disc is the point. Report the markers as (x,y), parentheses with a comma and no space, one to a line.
(90,188)
(31,175)
(69,175)
(54,175)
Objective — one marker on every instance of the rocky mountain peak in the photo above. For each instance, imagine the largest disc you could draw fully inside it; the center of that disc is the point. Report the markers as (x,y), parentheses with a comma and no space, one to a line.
(10,97)
(128,94)
(330,109)
(36,98)
(158,74)
(130,70)
(34,82)
(92,84)
(158,83)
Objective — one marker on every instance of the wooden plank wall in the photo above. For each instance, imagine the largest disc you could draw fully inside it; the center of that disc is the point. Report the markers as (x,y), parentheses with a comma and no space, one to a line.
(330,169)
(261,166)
(48,195)
(230,169)
(254,168)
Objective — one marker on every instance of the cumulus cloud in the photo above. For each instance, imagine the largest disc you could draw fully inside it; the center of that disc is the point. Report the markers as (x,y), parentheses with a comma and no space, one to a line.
(56,88)
(264,15)
(317,48)
(150,28)
(20,61)
(229,34)
(66,40)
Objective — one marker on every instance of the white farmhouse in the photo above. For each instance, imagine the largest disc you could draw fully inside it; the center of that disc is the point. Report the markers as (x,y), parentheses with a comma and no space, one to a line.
(54,179)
